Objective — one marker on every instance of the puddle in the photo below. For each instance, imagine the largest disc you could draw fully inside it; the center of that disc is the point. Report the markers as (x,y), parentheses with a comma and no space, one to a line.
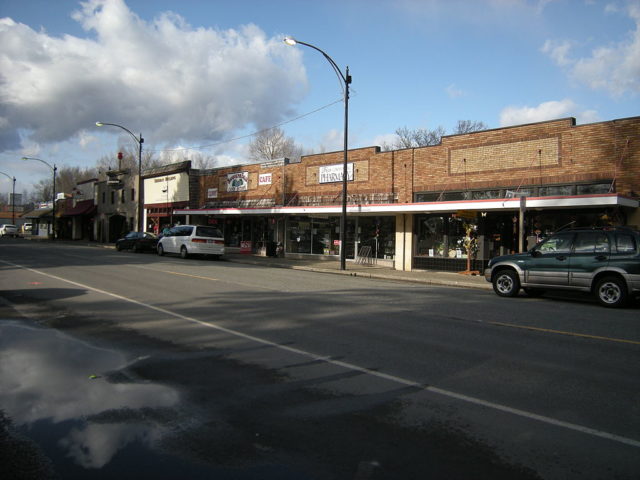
(85,416)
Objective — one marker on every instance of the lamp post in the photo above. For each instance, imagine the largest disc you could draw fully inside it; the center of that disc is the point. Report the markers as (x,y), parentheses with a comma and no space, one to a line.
(346,79)
(13,198)
(139,140)
(54,168)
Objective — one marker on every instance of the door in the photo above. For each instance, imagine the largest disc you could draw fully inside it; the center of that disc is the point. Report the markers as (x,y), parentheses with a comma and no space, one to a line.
(549,262)
(591,251)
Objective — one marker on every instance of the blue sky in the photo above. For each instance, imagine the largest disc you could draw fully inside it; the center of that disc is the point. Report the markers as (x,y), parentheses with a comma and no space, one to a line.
(196,73)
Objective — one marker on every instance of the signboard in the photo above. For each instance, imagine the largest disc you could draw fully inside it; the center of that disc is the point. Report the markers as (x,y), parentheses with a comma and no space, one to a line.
(167,188)
(212,193)
(467,214)
(264,179)
(333,173)
(237,182)
(245,247)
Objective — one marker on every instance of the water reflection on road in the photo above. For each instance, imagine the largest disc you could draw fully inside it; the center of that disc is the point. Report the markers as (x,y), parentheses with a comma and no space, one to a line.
(50,382)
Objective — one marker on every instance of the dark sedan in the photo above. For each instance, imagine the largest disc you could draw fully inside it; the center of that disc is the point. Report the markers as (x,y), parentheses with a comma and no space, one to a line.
(137,241)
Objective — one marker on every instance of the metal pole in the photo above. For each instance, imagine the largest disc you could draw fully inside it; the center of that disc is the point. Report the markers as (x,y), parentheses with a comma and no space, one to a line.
(140,187)
(343,217)
(53,226)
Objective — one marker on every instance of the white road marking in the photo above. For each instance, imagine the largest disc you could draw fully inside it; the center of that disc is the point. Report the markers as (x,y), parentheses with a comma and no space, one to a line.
(350,366)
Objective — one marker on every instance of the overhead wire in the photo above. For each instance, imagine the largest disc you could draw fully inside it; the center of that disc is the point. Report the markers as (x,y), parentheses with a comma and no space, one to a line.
(249,135)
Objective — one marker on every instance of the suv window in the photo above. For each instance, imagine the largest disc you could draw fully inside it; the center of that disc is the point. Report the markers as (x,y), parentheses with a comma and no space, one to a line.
(211,232)
(591,242)
(559,243)
(625,243)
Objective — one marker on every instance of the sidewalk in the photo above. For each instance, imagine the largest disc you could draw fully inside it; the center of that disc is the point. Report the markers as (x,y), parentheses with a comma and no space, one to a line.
(428,277)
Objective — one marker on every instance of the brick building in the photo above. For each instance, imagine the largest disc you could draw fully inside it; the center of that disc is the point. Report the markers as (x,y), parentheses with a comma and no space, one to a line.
(448,206)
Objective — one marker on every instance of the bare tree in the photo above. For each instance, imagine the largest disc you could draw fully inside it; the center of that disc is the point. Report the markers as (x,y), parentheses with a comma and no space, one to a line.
(271,144)
(419,137)
(468,126)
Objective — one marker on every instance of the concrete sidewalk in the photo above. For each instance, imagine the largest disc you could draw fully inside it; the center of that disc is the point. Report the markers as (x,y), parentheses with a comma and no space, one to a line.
(428,277)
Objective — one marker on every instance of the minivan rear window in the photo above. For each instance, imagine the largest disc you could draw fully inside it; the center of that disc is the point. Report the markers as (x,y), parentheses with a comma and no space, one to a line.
(211,232)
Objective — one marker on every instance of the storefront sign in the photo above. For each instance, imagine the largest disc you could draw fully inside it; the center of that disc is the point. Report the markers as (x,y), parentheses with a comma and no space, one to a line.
(264,179)
(167,188)
(245,247)
(212,193)
(238,182)
(333,173)
(467,214)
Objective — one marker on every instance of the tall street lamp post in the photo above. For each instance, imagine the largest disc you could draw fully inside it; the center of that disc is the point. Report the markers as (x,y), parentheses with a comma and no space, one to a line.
(13,198)
(54,168)
(139,140)
(346,79)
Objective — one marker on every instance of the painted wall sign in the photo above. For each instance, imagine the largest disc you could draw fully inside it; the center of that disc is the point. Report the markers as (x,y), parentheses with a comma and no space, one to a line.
(264,179)
(212,193)
(237,182)
(333,173)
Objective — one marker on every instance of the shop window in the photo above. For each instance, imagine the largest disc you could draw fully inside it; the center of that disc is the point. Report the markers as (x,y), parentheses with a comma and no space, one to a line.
(594,188)
(486,194)
(556,190)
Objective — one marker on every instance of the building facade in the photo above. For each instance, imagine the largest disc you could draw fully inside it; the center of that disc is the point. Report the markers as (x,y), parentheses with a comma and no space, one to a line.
(451,206)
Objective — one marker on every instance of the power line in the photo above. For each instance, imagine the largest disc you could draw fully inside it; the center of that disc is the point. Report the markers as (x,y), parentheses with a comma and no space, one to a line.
(200,147)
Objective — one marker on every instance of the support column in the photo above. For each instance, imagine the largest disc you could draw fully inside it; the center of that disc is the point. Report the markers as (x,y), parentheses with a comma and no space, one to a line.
(404,242)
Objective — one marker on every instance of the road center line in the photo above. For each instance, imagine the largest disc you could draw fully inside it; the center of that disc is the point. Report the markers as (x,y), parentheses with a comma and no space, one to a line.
(350,366)
(560,332)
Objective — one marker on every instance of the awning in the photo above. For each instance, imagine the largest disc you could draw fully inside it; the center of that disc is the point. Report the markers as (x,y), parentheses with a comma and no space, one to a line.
(45,212)
(505,204)
(84,207)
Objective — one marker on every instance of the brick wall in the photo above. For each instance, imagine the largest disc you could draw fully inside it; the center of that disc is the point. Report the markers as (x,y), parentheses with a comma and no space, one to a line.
(553,152)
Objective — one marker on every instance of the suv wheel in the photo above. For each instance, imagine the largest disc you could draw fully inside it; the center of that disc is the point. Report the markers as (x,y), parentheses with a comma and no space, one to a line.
(611,292)
(506,283)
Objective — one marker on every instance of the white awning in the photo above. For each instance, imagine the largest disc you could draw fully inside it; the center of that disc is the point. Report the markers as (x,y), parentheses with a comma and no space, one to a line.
(508,204)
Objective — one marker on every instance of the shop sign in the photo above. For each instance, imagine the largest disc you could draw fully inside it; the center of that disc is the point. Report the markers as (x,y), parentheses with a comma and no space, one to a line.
(264,179)
(467,214)
(212,193)
(245,247)
(333,173)
(238,182)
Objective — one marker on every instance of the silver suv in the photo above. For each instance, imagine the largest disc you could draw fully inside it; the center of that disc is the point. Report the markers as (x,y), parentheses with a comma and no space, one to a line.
(604,261)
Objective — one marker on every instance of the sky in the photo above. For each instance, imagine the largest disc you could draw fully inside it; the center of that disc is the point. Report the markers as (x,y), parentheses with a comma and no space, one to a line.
(199,77)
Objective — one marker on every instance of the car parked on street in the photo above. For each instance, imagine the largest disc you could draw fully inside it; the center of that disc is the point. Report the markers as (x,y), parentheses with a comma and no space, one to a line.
(27,228)
(137,241)
(603,261)
(192,240)
(8,230)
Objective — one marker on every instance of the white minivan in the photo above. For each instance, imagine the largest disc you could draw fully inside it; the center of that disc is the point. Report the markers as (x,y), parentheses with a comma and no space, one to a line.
(192,240)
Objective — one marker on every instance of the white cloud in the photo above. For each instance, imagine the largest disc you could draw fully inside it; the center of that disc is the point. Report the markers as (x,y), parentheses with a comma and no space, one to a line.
(454,92)
(615,67)
(518,115)
(173,82)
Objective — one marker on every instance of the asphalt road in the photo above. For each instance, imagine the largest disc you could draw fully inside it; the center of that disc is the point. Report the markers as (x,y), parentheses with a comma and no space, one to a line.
(227,370)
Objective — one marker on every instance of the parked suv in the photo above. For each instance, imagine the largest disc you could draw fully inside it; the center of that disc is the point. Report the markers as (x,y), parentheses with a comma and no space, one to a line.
(192,239)
(603,261)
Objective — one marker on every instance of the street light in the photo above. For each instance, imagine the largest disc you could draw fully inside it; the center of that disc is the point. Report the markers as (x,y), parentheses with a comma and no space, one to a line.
(54,169)
(139,140)
(13,198)
(346,79)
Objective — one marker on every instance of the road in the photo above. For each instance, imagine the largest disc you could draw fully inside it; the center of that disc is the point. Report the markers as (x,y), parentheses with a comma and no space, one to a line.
(115,363)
